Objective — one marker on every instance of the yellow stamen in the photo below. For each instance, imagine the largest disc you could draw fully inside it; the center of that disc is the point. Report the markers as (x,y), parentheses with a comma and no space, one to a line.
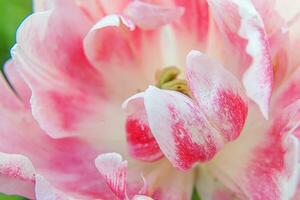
(167,74)
(178,85)
(167,79)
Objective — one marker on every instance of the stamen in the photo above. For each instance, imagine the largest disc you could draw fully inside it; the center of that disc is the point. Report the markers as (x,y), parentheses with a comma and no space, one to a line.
(167,79)
(167,74)
(178,85)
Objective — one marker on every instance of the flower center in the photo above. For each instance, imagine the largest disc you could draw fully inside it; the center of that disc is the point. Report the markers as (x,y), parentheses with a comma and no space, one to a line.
(167,78)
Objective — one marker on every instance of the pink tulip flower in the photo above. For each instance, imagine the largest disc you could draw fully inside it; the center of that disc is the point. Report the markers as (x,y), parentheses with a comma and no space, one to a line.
(194,94)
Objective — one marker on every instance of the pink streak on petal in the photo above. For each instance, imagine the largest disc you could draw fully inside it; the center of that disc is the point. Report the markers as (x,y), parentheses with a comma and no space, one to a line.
(142,145)
(240,22)
(114,171)
(149,16)
(195,19)
(182,132)
(17,175)
(66,90)
(218,93)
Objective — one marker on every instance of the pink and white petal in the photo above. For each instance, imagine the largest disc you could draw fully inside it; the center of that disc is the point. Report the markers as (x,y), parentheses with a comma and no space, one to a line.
(114,170)
(270,15)
(17,82)
(92,9)
(67,92)
(151,16)
(95,9)
(133,58)
(141,197)
(167,183)
(210,188)
(141,143)
(44,191)
(218,93)
(191,31)
(113,6)
(260,166)
(182,132)
(194,23)
(287,93)
(17,175)
(245,30)
(20,134)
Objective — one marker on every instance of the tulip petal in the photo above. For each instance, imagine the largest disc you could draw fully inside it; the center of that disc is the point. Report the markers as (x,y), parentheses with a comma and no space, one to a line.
(244,28)
(210,188)
(135,54)
(166,182)
(67,92)
(150,16)
(141,197)
(15,80)
(142,144)
(262,163)
(52,158)
(16,175)
(196,17)
(44,191)
(287,93)
(114,170)
(181,130)
(218,93)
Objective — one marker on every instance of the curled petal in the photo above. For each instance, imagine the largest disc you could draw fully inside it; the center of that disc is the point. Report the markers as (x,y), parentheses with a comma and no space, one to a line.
(55,68)
(240,21)
(149,16)
(122,52)
(142,144)
(218,93)
(181,130)
(114,171)
(17,82)
(53,158)
(17,175)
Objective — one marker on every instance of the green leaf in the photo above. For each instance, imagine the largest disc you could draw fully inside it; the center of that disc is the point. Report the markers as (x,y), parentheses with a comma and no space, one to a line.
(10,197)
(12,14)
(195,195)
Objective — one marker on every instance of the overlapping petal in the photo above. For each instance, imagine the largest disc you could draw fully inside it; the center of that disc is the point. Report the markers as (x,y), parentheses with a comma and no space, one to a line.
(150,16)
(180,128)
(141,142)
(51,69)
(218,93)
(59,161)
(244,28)
(114,170)
(265,165)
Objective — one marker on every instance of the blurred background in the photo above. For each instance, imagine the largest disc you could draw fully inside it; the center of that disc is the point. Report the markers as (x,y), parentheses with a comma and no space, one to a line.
(12,13)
